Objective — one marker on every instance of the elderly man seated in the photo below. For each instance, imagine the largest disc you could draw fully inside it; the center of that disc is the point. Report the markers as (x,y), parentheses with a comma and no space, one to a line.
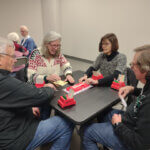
(27,40)
(19,129)
(129,130)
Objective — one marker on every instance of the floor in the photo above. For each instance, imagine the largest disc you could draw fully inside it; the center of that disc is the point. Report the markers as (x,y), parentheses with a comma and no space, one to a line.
(76,65)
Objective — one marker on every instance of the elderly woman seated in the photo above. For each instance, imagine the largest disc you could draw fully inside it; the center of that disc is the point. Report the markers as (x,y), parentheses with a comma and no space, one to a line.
(18,71)
(45,64)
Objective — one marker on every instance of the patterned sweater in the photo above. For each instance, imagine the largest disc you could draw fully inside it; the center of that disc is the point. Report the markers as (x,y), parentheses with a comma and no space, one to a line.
(39,66)
(110,66)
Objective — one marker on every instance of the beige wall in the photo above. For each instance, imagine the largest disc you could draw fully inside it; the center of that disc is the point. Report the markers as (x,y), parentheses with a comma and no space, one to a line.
(14,13)
(51,15)
(84,22)
(81,22)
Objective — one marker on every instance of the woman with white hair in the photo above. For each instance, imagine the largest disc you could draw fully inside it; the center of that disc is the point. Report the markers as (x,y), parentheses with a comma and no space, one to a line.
(46,62)
(19,71)
(13,36)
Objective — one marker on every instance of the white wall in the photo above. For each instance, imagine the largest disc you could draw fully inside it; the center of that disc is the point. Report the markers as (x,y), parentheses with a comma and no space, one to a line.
(81,22)
(14,13)
(84,22)
(51,15)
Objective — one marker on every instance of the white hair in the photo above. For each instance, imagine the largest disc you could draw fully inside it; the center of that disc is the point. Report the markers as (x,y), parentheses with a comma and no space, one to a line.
(4,43)
(51,36)
(13,36)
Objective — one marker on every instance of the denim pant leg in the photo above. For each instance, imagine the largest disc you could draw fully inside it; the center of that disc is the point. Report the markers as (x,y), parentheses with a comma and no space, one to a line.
(108,116)
(102,133)
(55,130)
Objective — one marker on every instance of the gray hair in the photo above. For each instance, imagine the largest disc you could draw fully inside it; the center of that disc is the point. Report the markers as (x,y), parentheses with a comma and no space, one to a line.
(13,36)
(49,37)
(4,43)
(143,60)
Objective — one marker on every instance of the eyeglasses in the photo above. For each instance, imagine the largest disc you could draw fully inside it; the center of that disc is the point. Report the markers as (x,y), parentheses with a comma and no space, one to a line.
(106,44)
(55,46)
(132,64)
(12,56)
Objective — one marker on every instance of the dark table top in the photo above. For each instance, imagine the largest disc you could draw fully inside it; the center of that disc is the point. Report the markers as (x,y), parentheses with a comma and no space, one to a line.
(88,103)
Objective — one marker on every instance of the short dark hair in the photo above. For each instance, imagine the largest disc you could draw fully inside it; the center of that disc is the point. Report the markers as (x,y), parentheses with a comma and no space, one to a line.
(113,39)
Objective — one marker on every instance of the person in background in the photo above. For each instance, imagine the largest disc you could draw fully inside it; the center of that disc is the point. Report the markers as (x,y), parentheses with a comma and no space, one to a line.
(13,36)
(19,129)
(45,65)
(129,130)
(109,62)
(20,51)
(27,41)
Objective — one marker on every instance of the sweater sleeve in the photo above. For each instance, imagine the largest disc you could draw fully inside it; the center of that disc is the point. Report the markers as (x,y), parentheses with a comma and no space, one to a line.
(17,94)
(89,71)
(108,80)
(30,45)
(121,66)
(137,138)
(129,137)
(65,65)
(94,67)
(121,63)
(34,61)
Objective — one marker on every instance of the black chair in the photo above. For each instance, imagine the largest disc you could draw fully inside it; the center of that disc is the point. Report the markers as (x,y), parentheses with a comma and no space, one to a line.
(131,80)
(22,74)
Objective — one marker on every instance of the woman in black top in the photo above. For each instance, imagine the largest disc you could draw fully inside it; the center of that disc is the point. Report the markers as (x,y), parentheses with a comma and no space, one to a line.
(109,62)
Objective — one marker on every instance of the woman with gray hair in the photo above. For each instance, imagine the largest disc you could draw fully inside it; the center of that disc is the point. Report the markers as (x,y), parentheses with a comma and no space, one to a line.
(46,62)
(13,36)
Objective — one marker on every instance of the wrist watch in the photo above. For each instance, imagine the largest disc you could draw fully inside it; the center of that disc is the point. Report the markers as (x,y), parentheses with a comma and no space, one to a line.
(116,124)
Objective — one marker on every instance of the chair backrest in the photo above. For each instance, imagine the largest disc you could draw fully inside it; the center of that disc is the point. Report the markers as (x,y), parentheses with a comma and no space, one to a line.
(21,61)
(21,74)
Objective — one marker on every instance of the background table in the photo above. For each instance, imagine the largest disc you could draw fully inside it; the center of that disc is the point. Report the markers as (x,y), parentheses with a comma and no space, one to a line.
(88,103)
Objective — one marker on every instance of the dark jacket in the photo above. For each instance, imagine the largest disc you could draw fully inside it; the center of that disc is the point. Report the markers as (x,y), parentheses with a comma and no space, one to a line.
(17,123)
(134,131)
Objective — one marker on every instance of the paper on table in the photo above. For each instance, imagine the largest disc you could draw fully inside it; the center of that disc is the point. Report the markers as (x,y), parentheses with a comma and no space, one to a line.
(60,82)
(123,101)
(82,90)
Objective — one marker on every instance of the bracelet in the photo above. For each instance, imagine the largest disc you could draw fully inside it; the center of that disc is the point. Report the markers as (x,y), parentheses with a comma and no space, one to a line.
(46,81)
(116,124)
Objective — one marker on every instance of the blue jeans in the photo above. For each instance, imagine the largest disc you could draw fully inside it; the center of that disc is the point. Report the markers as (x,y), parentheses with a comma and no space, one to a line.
(55,130)
(102,133)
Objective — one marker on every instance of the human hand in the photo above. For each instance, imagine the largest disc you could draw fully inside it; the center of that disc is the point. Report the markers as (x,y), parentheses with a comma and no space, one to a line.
(124,91)
(116,118)
(53,78)
(91,81)
(70,79)
(50,85)
(83,78)
(36,111)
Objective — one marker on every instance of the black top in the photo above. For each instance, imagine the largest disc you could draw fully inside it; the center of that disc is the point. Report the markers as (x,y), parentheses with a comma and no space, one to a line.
(134,131)
(17,123)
